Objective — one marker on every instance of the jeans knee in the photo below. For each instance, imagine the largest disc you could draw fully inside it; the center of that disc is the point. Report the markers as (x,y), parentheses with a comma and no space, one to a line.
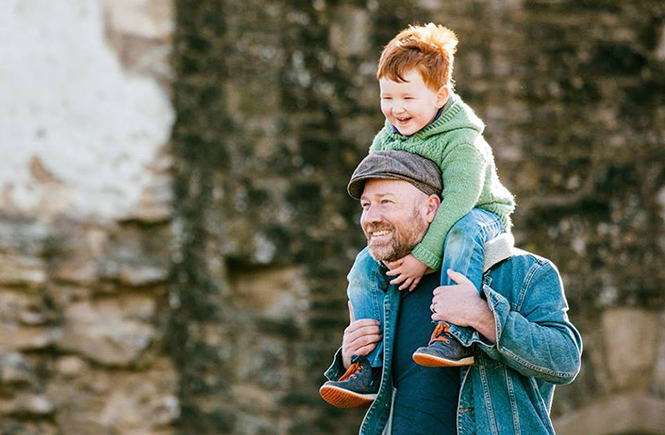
(363,273)
(363,265)
(474,227)
(456,242)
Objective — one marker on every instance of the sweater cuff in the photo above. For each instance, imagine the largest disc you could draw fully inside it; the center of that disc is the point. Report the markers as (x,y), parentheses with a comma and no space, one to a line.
(426,257)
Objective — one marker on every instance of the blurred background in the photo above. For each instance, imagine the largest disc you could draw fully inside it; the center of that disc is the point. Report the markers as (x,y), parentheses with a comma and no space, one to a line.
(175,230)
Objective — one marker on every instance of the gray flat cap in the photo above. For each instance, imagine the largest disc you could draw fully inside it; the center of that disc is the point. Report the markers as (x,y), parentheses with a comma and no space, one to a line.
(398,165)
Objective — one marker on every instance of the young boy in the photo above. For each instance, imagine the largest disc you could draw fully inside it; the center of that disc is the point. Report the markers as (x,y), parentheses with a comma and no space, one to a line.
(425,117)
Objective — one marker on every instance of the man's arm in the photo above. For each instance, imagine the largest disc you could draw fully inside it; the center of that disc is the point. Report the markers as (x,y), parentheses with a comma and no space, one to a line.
(360,338)
(537,341)
(462,305)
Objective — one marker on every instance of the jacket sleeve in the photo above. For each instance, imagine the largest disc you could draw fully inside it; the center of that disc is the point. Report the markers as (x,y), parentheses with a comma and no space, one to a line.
(539,340)
(463,177)
(336,369)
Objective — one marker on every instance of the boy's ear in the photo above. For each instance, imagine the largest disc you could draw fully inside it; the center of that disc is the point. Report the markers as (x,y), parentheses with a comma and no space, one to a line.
(442,96)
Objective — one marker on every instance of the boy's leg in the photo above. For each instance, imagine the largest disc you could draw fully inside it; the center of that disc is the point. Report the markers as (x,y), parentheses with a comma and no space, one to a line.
(464,251)
(359,385)
(464,248)
(366,291)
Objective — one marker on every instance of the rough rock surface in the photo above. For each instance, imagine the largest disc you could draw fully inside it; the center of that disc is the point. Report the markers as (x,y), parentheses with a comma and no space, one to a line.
(572,96)
(85,212)
(198,288)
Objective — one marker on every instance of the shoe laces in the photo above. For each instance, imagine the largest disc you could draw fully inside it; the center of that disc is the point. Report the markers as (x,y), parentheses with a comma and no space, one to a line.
(440,333)
(351,371)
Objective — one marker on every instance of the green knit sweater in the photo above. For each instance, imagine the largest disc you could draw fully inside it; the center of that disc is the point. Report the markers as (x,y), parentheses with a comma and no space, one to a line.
(455,143)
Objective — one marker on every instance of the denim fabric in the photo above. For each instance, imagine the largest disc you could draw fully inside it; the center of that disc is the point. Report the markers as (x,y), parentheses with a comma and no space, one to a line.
(463,252)
(464,248)
(509,389)
(366,291)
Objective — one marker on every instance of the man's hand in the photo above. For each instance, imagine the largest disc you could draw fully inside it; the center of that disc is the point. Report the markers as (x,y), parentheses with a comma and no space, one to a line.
(408,269)
(462,305)
(360,337)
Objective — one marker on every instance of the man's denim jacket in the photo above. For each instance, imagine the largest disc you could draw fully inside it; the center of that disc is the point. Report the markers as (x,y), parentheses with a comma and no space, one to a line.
(509,388)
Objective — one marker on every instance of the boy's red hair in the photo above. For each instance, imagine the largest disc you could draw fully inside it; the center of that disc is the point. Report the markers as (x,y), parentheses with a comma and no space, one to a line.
(429,48)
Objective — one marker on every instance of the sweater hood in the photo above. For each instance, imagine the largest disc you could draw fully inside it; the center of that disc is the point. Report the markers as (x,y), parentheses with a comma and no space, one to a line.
(456,115)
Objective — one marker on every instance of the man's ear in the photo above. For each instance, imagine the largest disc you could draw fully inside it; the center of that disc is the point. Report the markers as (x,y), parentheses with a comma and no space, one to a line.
(432,206)
(442,96)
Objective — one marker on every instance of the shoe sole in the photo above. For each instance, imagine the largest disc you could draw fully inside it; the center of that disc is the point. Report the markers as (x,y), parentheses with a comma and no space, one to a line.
(427,360)
(342,398)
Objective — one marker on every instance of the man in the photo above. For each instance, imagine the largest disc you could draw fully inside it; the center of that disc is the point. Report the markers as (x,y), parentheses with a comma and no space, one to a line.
(522,340)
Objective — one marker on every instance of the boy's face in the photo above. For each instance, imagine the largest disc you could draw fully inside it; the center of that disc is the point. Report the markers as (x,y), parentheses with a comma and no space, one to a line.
(410,105)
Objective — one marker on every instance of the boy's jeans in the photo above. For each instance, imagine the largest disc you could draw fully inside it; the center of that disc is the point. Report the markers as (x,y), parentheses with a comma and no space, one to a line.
(463,252)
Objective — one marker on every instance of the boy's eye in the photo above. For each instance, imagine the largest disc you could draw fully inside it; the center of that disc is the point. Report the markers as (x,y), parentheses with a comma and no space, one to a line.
(386,98)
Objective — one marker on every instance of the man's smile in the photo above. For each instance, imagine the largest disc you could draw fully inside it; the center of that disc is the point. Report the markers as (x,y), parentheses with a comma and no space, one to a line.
(379,234)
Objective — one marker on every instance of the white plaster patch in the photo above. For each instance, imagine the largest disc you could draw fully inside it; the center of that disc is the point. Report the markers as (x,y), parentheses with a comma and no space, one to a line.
(78,135)
(146,18)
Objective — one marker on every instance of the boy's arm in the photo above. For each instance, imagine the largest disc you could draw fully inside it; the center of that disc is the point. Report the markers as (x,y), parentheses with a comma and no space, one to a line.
(463,176)
(380,138)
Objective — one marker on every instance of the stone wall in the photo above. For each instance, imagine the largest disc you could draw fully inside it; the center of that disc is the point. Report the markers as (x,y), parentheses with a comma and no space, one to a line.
(85,212)
(279,103)
(199,288)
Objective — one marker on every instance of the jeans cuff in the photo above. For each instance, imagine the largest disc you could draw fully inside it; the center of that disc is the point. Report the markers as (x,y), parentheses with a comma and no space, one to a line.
(464,335)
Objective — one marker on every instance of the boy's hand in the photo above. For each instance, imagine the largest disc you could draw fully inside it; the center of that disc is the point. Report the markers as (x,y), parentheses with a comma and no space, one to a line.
(408,269)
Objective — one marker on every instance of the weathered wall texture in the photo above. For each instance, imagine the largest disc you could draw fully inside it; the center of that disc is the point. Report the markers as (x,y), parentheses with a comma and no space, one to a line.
(85,206)
(277,102)
(199,289)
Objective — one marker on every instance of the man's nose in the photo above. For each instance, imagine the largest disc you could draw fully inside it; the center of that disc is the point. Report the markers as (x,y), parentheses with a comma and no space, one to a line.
(371,215)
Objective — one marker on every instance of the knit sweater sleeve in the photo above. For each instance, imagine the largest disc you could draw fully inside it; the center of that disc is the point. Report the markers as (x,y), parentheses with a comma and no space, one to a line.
(378,143)
(463,174)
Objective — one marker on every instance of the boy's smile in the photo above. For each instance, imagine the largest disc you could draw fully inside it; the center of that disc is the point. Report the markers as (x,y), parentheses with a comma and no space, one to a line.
(410,105)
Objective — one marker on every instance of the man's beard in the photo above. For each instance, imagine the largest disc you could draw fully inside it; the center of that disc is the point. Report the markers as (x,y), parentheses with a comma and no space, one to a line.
(404,238)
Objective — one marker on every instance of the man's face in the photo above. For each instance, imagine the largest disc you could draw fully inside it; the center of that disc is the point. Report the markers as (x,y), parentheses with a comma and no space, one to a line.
(410,105)
(394,218)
